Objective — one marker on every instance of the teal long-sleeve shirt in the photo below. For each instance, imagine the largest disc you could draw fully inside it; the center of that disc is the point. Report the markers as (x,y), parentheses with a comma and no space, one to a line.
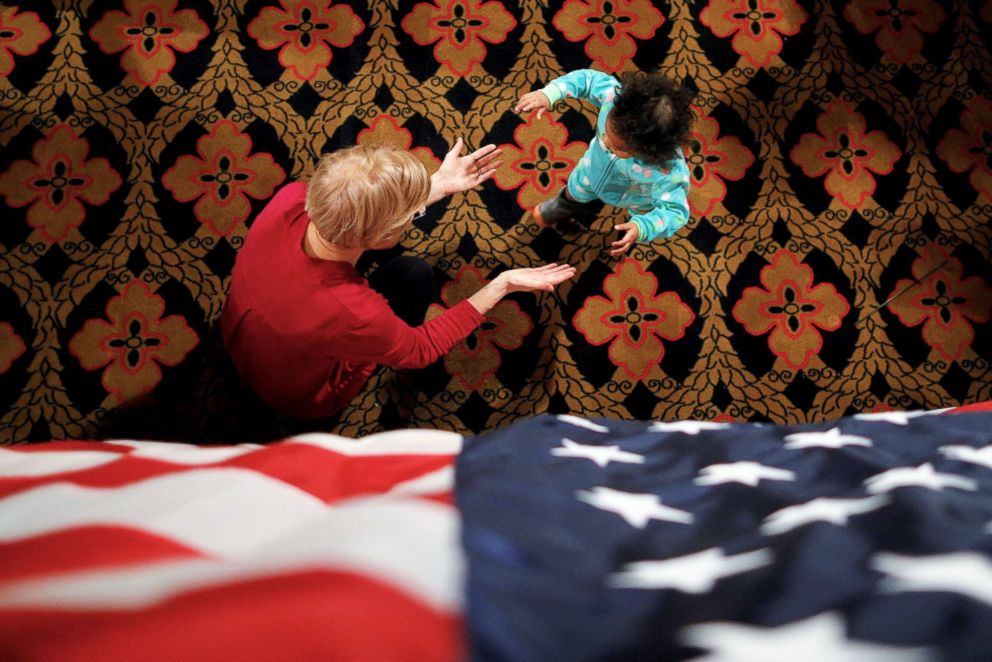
(656,197)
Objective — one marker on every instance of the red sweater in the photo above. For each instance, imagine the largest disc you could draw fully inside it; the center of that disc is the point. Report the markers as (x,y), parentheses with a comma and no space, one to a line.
(306,333)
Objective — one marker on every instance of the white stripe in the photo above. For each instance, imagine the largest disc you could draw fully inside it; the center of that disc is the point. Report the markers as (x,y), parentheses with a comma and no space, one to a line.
(394,442)
(220,511)
(411,544)
(15,464)
(580,422)
(441,481)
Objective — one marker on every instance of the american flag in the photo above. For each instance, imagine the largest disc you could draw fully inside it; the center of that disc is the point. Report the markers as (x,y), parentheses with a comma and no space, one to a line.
(555,538)
(317,547)
(863,539)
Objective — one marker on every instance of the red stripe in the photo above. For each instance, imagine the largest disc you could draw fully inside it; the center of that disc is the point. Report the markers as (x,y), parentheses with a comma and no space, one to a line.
(330,476)
(975,406)
(303,616)
(87,548)
(117,473)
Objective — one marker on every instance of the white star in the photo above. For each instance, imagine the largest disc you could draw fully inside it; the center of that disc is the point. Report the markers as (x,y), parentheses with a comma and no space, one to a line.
(922,476)
(894,417)
(832,438)
(687,427)
(967,573)
(748,473)
(580,422)
(821,637)
(982,456)
(601,455)
(695,573)
(835,511)
(637,509)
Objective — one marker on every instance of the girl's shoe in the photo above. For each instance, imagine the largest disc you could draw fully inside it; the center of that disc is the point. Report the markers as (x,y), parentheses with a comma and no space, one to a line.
(558,212)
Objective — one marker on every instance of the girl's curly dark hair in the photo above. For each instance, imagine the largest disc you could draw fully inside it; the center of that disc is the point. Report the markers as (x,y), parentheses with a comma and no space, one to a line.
(651,115)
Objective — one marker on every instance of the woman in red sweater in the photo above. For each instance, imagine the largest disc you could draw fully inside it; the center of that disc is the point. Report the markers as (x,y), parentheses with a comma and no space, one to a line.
(304,329)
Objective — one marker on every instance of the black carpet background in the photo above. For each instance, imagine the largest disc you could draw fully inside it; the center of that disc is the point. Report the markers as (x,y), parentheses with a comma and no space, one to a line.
(837,261)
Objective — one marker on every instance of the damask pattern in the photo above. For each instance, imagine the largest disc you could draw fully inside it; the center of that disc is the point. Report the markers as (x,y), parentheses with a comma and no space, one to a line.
(837,260)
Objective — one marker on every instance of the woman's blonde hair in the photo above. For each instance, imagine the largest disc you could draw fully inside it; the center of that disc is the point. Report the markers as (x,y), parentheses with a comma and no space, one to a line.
(360,196)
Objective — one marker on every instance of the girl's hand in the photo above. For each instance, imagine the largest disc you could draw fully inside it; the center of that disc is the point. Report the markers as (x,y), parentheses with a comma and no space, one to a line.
(531,101)
(623,244)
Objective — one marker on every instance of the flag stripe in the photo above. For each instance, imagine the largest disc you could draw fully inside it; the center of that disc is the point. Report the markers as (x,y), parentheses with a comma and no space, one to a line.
(410,543)
(312,615)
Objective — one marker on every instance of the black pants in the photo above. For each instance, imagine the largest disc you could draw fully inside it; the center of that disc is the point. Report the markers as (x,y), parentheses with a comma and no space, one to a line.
(407,282)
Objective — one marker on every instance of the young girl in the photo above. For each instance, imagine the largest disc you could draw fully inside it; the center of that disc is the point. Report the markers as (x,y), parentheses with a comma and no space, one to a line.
(635,160)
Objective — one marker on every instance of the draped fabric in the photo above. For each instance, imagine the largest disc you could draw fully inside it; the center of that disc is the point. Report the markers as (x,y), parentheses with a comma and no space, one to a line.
(837,260)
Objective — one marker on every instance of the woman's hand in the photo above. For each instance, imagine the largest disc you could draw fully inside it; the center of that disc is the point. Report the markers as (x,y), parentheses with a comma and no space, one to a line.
(460,173)
(520,280)
(533,100)
(536,278)
(623,244)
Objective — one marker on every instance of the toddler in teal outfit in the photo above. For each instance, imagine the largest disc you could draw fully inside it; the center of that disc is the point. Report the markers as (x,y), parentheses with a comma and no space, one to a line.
(634,161)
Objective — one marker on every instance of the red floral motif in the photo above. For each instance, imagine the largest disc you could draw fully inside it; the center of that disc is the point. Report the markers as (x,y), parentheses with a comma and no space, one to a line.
(943,302)
(222,178)
(130,347)
(459,27)
(385,131)
(757,26)
(20,34)
(11,346)
(712,160)
(148,32)
(57,181)
(608,28)
(845,153)
(541,164)
(792,308)
(971,148)
(304,31)
(634,319)
(475,360)
(898,24)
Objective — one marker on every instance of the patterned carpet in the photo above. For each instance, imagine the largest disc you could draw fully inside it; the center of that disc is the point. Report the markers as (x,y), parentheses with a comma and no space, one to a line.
(838,259)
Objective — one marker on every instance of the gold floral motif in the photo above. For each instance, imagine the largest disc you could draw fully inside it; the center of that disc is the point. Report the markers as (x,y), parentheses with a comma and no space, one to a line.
(148,33)
(970,148)
(541,164)
(757,26)
(475,360)
(11,346)
(608,28)
(304,32)
(21,34)
(712,159)
(56,181)
(460,28)
(943,301)
(634,319)
(846,153)
(898,25)
(222,177)
(792,308)
(131,346)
